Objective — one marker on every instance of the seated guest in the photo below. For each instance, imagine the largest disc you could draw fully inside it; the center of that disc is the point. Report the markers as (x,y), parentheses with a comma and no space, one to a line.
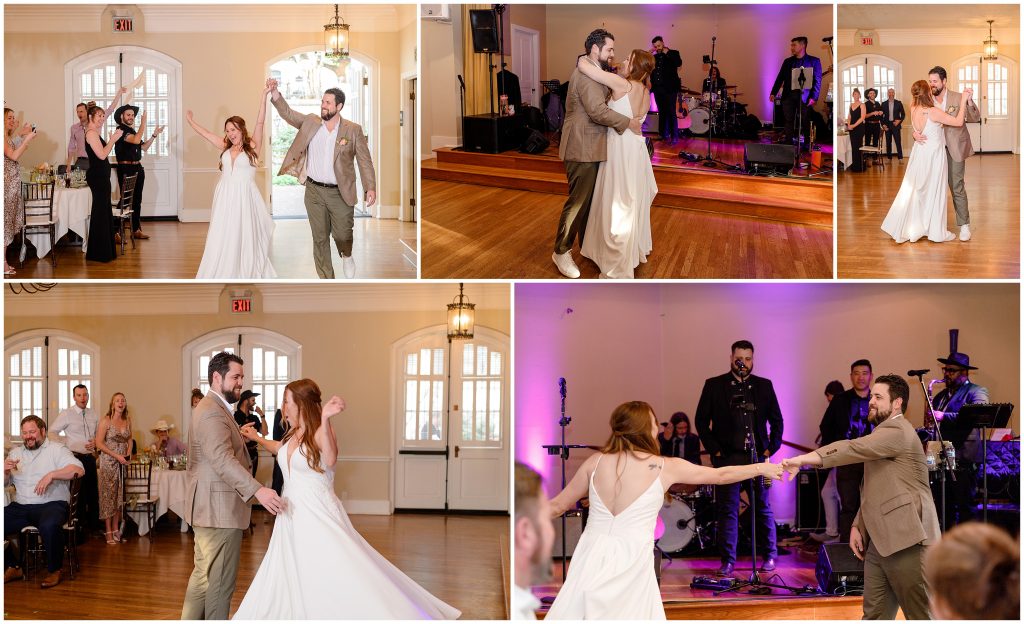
(40,471)
(197,396)
(973,573)
(166,446)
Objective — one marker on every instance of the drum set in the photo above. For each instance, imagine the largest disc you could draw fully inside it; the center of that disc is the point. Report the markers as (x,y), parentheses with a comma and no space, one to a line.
(717,111)
(688,514)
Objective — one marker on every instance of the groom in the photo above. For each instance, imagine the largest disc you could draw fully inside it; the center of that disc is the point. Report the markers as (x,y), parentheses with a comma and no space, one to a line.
(584,145)
(321,157)
(220,488)
(958,144)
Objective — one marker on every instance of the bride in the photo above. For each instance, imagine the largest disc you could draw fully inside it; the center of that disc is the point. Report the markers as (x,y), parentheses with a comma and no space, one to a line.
(618,234)
(612,573)
(238,241)
(920,205)
(317,566)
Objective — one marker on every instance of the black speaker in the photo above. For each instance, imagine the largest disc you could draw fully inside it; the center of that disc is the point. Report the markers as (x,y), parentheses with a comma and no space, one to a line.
(838,570)
(573,532)
(810,512)
(492,134)
(534,142)
(769,156)
(485,30)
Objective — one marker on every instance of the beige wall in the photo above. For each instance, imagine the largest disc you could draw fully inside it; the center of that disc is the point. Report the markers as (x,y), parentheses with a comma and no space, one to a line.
(659,342)
(347,353)
(222,75)
(441,63)
(532,16)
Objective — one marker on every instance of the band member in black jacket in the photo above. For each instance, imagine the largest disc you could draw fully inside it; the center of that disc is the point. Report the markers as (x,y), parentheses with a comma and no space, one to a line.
(797,100)
(731,405)
(665,85)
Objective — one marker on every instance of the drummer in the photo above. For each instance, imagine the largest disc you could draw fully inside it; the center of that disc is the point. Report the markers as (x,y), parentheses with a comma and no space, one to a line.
(684,443)
(714,84)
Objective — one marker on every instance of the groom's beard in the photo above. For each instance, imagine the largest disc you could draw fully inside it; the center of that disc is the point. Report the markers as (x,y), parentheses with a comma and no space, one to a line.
(327,116)
(936,91)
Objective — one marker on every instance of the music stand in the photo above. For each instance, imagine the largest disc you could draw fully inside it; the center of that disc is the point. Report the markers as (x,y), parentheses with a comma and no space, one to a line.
(986,416)
(797,80)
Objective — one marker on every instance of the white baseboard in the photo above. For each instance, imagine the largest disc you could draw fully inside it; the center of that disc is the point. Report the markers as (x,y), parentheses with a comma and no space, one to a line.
(441,141)
(194,215)
(387,212)
(367,507)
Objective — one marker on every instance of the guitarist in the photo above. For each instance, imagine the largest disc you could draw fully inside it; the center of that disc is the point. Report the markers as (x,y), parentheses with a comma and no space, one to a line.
(730,406)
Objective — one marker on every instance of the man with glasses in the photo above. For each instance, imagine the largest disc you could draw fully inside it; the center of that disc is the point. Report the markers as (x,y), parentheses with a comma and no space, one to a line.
(946,405)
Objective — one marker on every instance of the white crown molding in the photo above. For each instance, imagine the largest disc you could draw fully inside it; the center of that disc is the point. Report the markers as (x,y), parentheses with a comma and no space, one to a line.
(201,298)
(896,37)
(194,18)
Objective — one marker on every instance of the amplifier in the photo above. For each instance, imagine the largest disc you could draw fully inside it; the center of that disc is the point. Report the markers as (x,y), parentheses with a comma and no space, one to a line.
(769,157)
(810,512)
(838,570)
(573,531)
(492,134)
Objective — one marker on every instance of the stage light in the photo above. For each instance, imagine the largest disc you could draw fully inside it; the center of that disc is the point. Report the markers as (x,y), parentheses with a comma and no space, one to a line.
(991,45)
(461,318)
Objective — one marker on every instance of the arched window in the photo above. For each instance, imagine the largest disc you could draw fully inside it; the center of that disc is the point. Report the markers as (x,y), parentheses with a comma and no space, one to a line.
(865,72)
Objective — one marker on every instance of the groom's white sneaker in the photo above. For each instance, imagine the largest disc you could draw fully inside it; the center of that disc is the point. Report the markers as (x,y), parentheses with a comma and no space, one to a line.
(348,267)
(565,264)
(965,232)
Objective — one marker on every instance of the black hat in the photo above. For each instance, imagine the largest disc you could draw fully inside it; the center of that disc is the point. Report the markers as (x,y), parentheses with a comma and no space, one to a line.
(871,89)
(121,110)
(959,359)
(248,394)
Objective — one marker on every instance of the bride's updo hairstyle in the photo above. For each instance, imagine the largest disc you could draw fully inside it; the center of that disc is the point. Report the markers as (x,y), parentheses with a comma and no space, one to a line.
(641,65)
(973,573)
(921,91)
(306,395)
(631,429)
(246,142)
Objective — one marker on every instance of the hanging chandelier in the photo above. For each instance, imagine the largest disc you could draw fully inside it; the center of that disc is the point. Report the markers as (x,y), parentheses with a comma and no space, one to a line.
(461,318)
(991,45)
(336,38)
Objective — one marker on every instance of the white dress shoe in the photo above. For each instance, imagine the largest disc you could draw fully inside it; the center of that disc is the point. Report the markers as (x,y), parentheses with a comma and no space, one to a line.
(565,264)
(965,232)
(348,267)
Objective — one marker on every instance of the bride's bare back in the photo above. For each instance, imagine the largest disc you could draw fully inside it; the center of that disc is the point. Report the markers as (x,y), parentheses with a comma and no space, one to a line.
(621,479)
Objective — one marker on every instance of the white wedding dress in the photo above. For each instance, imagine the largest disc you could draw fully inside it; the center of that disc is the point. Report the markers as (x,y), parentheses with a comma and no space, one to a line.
(238,241)
(612,572)
(920,206)
(618,234)
(317,565)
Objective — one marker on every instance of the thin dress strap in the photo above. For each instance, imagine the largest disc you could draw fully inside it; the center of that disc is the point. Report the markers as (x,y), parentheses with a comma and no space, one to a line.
(600,456)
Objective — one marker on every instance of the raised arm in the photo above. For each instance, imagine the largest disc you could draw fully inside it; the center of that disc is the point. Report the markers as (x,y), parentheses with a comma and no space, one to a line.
(681,471)
(117,100)
(212,138)
(611,80)
(92,137)
(261,117)
(146,144)
(593,100)
(324,435)
(576,489)
(14,153)
(136,138)
(944,118)
(290,117)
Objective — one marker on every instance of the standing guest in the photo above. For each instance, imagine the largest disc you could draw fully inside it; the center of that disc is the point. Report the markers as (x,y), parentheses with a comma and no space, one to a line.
(534,536)
(14,147)
(78,423)
(166,446)
(197,396)
(855,126)
(40,471)
(873,121)
(280,428)
(896,520)
(128,150)
(76,135)
(833,389)
(732,407)
(113,439)
(243,415)
(665,86)
(973,573)
(894,116)
(101,221)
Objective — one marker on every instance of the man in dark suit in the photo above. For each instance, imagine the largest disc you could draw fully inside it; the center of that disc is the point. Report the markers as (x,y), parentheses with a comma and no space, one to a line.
(893,120)
(897,519)
(732,406)
(665,85)
(796,101)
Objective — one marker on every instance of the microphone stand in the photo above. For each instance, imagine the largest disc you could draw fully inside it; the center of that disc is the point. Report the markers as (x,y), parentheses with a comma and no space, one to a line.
(709,160)
(943,459)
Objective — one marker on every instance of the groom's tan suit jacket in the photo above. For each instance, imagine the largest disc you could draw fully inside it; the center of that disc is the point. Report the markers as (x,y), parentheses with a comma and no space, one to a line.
(584,133)
(220,482)
(958,140)
(350,148)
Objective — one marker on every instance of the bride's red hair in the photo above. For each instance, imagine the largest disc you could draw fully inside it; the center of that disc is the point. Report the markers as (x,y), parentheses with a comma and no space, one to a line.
(306,396)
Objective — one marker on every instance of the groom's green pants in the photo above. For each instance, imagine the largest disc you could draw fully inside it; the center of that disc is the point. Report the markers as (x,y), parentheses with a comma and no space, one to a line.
(212,583)
(955,172)
(582,177)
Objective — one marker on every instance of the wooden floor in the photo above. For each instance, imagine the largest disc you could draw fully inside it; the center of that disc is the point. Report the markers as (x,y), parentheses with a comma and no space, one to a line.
(471,231)
(456,558)
(993,192)
(683,603)
(174,251)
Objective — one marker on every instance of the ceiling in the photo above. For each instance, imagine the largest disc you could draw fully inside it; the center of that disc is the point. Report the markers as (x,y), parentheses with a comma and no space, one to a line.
(892,16)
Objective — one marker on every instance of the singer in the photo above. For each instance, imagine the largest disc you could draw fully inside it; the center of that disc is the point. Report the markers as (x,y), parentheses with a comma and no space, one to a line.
(796,103)
(731,406)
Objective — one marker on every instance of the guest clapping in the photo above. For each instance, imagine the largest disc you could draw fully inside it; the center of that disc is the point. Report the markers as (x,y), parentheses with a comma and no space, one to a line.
(113,439)
(101,221)
(166,446)
(14,146)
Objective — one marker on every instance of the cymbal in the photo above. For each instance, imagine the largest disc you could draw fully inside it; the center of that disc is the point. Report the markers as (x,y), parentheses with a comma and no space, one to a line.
(731,86)
(737,94)
(690,91)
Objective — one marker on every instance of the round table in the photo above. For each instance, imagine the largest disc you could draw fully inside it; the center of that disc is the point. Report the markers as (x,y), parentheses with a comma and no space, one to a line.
(71,208)
(844,150)
(168,486)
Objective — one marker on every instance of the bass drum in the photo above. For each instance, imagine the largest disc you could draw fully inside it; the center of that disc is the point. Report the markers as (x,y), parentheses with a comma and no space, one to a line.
(700,120)
(680,526)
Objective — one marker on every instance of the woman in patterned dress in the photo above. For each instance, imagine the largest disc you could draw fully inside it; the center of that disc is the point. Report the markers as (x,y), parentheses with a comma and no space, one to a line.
(14,147)
(113,440)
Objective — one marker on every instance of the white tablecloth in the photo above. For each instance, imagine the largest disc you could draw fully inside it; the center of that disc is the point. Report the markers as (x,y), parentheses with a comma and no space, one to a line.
(71,208)
(169,486)
(844,150)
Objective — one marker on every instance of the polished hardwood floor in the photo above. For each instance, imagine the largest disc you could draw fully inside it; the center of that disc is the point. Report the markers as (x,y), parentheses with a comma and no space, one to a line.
(993,192)
(384,249)
(456,558)
(472,231)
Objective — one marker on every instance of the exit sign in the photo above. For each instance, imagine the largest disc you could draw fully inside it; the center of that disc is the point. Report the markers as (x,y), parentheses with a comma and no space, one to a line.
(867,37)
(241,305)
(124,24)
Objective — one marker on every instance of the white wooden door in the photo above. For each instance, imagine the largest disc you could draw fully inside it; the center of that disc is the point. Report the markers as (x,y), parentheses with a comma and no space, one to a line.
(98,75)
(421,460)
(994,85)
(526,63)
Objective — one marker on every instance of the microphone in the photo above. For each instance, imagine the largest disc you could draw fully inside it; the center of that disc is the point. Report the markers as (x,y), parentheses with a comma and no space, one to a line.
(917,373)
(740,365)
(561,386)
(827,39)
(461,81)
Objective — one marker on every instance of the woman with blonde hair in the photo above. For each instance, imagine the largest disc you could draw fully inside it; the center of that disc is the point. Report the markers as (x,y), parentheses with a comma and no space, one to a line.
(15,145)
(113,441)
(340,576)
(612,572)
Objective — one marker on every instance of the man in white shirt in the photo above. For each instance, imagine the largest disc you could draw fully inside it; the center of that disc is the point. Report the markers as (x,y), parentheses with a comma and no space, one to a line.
(78,423)
(40,471)
(534,536)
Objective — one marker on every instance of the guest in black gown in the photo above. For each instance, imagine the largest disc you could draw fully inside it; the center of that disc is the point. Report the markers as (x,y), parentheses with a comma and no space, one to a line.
(856,128)
(101,221)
